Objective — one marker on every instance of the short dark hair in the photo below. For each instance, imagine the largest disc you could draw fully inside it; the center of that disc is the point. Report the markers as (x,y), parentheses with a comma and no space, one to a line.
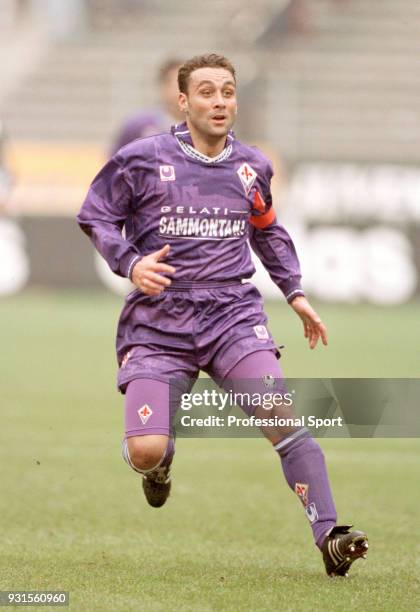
(167,66)
(208,60)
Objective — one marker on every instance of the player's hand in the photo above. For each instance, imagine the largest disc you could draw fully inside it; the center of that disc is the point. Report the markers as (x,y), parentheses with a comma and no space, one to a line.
(146,275)
(312,325)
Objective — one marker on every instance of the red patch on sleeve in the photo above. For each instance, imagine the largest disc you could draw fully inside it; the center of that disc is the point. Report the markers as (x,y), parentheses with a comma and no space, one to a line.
(266,218)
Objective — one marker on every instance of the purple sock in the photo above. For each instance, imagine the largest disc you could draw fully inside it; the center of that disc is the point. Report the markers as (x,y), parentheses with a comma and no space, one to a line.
(304,468)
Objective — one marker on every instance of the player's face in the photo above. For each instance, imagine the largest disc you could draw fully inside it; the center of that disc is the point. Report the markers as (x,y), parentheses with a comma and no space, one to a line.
(210,103)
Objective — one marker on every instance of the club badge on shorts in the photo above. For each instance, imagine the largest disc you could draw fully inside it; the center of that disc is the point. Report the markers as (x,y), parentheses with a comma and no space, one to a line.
(145,412)
(261,332)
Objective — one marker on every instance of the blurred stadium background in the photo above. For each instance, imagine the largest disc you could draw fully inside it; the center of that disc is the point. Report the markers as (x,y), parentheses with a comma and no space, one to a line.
(330,89)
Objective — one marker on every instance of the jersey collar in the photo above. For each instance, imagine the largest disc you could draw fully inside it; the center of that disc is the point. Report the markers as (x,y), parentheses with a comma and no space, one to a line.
(183,137)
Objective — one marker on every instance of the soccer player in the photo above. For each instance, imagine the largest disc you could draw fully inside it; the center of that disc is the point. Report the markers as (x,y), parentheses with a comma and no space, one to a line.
(189,201)
(159,120)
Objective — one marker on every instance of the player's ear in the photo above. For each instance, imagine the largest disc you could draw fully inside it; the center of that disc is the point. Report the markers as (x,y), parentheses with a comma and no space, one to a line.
(183,102)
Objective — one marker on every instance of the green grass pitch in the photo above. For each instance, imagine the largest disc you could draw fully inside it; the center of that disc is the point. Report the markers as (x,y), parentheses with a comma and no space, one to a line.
(232,536)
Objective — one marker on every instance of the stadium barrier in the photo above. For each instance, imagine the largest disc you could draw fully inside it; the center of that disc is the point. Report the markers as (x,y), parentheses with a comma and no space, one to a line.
(340,264)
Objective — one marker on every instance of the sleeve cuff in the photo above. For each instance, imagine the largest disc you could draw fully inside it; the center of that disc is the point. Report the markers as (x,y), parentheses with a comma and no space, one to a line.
(291,287)
(131,265)
(291,296)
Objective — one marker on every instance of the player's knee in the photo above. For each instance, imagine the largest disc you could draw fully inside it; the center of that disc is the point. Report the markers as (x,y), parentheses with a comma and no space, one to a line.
(146,451)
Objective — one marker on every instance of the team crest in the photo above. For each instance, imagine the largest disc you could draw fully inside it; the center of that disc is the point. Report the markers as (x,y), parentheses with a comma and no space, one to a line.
(167,173)
(125,359)
(247,176)
(145,412)
(311,513)
(269,381)
(301,491)
(261,332)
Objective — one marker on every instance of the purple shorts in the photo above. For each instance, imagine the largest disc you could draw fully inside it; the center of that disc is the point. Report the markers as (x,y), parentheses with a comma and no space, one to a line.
(186,329)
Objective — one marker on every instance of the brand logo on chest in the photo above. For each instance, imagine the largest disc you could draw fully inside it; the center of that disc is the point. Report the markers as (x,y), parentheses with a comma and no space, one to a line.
(167,173)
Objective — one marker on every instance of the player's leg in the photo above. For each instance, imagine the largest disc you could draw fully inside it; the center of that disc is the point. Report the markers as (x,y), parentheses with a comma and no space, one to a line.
(301,457)
(145,452)
(165,353)
(235,332)
(302,461)
(148,446)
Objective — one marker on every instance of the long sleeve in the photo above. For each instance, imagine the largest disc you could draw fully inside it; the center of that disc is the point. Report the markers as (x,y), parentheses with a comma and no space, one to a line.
(276,250)
(104,213)
(272,243)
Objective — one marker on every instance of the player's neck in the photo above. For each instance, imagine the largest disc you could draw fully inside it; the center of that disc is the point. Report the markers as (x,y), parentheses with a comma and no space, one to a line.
(211,147)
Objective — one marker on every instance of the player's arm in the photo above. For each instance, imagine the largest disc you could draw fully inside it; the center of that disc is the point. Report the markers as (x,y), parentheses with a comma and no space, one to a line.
(102,218)
(275,248)
(313,327)
(103,215)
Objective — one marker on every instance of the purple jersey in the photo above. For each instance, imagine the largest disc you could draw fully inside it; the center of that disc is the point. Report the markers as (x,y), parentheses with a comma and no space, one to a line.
(141,126)
(162,190)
